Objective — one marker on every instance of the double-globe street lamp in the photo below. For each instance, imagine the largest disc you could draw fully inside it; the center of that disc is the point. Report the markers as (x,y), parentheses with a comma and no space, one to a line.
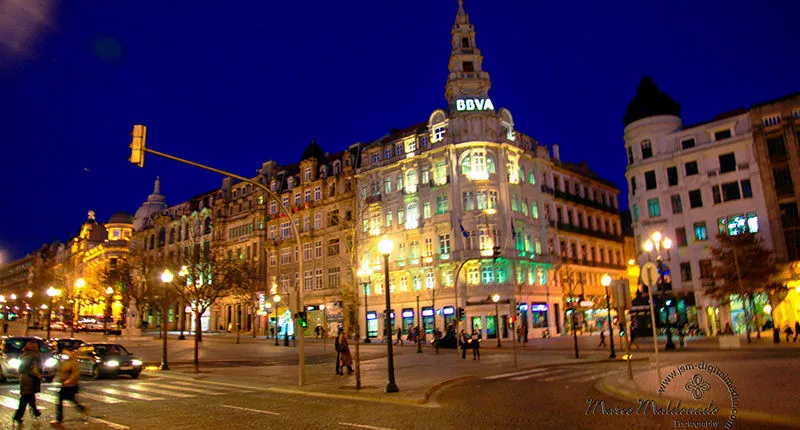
(657,242)
(166,278)
(28,309)
(51,292)
(385,247)
(606,282)
(277,299)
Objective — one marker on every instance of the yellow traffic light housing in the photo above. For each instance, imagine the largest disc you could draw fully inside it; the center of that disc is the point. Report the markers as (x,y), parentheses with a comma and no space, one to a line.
(137,145)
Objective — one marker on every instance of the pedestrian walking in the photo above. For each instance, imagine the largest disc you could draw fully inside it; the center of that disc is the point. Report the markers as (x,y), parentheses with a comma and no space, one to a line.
(399,336)
(602,339)
(463,341)
(337,347)
(437,337)
(345,358)
(68,375)
(30,381)
(476,346)
(796,330)
(681,337)
(788,331)
(316,332)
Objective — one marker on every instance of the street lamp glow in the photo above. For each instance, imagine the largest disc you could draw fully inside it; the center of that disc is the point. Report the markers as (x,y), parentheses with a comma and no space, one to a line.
(13,296)
(490,211)
(385,246)
(605,280)
(767,308)
(167,276)
(656,237)
(631,262)
(109,290)
(29,294)
(52,292)
(268,305)
(276,298)
(322,307)
(80,283)
(667,243)
(364,272)
(496,298)
(648,245)
(184,271)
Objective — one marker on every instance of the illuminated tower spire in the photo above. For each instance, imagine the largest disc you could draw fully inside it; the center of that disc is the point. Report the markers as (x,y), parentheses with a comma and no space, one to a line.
(467,78)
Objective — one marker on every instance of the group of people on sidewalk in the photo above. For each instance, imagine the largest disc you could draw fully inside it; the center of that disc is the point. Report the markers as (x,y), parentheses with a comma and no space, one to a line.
(472,342)
(30,383)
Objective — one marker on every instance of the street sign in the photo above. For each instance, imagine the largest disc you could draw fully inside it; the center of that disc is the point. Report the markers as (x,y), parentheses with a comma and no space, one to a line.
(621,294)
(649,274)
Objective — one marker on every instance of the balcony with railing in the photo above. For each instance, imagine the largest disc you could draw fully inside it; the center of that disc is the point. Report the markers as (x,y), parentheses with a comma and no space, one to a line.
(589,232)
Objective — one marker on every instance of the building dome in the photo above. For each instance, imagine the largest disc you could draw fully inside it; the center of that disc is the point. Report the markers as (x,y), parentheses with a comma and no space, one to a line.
(120,218)
(313,151)
(650,101)
(155,203)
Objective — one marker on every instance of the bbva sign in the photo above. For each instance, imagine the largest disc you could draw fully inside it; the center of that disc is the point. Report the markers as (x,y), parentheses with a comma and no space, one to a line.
(474,104)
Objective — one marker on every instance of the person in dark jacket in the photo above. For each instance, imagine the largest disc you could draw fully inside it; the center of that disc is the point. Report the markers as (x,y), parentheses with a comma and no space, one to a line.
(69,375)
(337,347)
(30,381)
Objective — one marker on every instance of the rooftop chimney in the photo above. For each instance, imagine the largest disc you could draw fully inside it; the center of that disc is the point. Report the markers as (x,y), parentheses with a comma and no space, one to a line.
(556,153)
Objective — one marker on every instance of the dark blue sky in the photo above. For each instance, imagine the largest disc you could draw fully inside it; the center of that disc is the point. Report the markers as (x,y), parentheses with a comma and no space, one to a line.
(236,83)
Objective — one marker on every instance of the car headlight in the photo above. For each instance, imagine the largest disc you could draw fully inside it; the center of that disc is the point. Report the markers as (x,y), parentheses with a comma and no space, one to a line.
(13,363)
(136,362)
(50,362)
(112,363)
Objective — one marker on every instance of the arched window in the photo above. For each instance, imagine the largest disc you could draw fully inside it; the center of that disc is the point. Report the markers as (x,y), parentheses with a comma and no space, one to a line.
(180,229)
(172,235)
(152,241)
(162,235)
(207,227)
(412,215)
(337,167)
(466,165)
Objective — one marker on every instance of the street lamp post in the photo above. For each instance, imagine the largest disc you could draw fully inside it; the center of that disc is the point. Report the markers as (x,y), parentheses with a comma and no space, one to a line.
(51,292)
(277,299)
(657,242)
(28,308)
(166,278)
(79,284)
(496,299)
(364,273)
(420,330)
(107,313)
(385,248)
(606,281)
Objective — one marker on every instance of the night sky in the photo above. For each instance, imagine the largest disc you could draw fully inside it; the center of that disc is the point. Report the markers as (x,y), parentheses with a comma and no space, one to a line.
(233,84)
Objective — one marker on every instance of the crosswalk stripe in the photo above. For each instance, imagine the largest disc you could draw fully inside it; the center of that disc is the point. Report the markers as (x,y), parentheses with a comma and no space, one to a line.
(569,375)
(140,387)
(195,390)
(505,375)
(52,399)
(132,395)
(203,385)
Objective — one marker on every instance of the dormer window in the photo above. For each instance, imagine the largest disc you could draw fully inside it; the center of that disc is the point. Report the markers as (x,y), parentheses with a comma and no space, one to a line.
(387,153)
(772,120)
(412,146)
(307,174)
(423,141)
(376,157)
(438,133)
(337,167)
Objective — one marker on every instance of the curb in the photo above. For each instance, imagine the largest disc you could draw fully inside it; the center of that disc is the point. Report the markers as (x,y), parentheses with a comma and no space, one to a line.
(429,392)
(745,415)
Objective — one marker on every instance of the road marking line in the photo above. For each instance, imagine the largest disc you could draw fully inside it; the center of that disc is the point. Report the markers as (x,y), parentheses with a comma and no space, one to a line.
(600,375)
(524,372)
(139,387)
(559,372)
(365,427)
(194,390)
(108,423)
(251,410)
(222,384)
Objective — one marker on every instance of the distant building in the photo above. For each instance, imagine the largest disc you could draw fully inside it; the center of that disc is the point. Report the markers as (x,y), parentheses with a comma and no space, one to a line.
(691,183)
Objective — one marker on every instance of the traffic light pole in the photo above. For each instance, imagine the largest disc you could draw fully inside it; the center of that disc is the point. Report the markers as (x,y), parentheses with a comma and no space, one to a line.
(138,147)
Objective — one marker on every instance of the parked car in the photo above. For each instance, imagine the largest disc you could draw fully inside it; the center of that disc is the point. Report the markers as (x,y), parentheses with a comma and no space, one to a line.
(58,345)
(58,326)
(12,349)
(107,359)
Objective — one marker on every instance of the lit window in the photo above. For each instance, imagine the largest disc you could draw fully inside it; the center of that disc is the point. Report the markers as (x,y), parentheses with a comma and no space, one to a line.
(438,134)
(700,232)
(653,208)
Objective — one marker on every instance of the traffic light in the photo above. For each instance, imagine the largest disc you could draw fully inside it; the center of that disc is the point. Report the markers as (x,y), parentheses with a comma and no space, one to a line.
(511,320)
(302,318)
(137,145)
(460,314)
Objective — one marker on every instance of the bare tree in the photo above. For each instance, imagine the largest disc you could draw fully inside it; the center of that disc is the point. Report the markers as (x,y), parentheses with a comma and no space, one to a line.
(743,267)
(145,284)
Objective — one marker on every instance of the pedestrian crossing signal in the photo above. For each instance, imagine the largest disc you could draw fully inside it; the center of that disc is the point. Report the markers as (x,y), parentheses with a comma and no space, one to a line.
(302,318)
